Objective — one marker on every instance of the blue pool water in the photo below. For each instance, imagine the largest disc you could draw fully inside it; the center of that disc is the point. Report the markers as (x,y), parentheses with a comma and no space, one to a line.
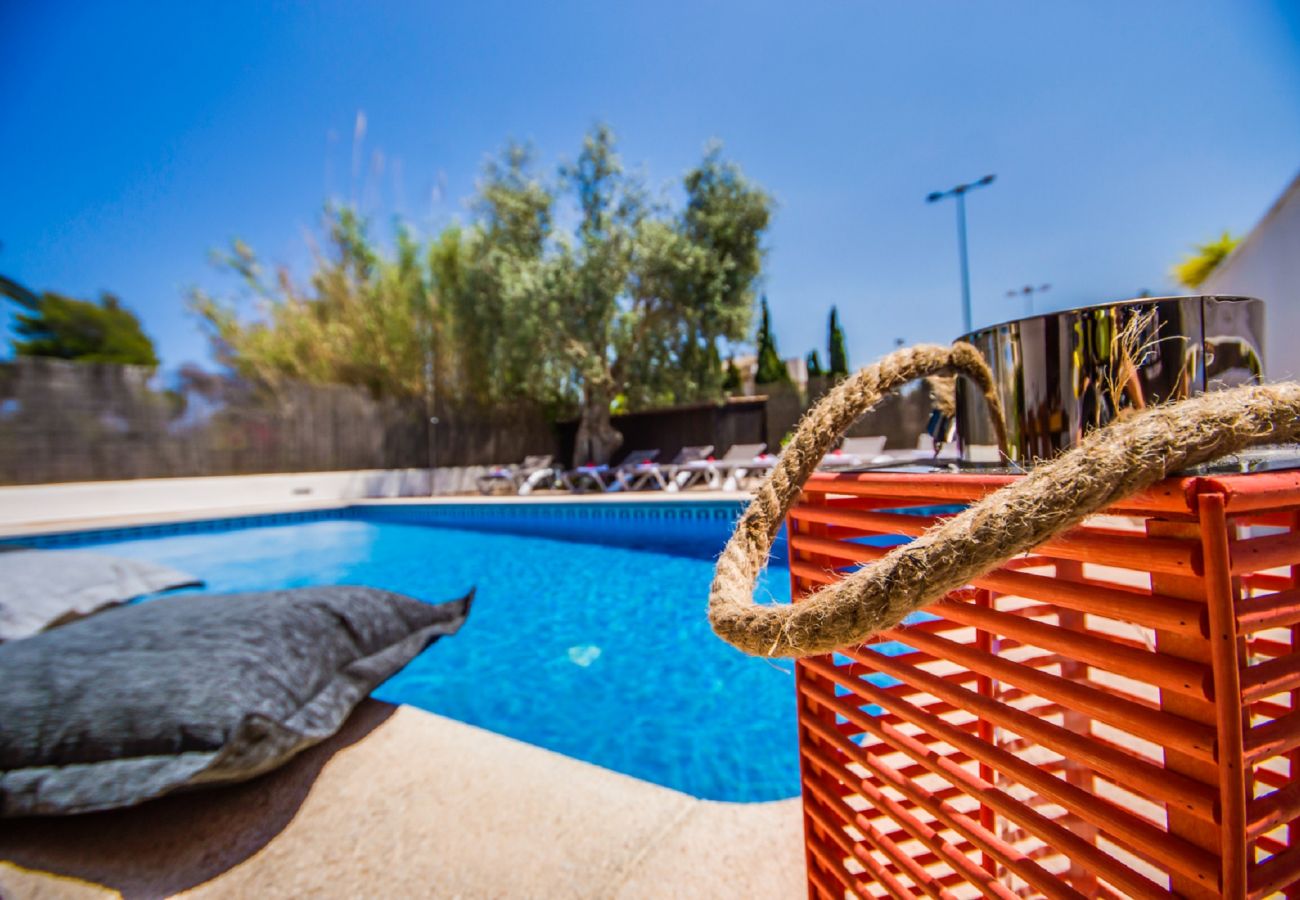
(600,652)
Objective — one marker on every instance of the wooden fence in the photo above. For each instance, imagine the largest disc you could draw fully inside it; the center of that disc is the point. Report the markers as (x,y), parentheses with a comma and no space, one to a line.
(899,418)
(742,420)
(64,421)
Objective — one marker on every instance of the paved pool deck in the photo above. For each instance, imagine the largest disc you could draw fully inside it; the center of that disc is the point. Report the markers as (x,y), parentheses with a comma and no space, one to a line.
(52,526)
(404,803)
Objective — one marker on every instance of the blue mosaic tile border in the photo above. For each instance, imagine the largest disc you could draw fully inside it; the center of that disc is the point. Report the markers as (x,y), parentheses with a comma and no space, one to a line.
(723,511)
(687,528)
(692,528)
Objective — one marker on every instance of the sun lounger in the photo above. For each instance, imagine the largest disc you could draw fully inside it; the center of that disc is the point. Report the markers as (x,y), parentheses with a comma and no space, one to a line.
(740,474)
(661,476)
(925,451)
(543,473)
(729,472)
(692,473)
(523,479)
(604,477)
(855,453)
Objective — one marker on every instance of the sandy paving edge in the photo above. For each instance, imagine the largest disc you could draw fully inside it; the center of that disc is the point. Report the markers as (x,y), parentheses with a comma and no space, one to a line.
(407,803)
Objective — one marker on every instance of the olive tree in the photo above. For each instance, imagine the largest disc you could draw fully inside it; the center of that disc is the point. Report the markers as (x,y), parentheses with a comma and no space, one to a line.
(640,298)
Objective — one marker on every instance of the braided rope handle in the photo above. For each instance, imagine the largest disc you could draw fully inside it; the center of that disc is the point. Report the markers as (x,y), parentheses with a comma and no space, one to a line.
(1109,464)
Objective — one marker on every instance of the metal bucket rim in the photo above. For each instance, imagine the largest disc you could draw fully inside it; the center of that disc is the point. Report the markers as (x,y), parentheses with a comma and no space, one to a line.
(1108,304)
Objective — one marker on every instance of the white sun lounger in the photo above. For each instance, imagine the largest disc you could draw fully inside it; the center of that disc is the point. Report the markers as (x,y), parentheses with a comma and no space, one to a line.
(523,479)
(729,472)
(924,451)
(855,453)
(606,478)
(662,476)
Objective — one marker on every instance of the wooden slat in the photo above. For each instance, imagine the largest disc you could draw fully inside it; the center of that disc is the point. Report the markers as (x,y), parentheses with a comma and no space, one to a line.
(1271,677)
(1025,816)
(1123,767)
(1273,738)
(950,818)
(1037,668)
(847,881)
(1271,875)
(1186,677)
(1142,838)
(1090,596)
(1279,610)
(934,488)
(883,843)
(1105,546)
(1256,554)
(871,835)
(1272,810)
(1247,493)
(1168,730)
(1229,715)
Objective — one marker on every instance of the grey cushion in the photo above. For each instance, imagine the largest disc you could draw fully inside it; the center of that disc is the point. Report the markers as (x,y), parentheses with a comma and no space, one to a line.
(187,691)
(40,588)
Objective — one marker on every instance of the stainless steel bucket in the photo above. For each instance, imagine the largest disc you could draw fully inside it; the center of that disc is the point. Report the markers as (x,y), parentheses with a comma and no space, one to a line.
(1064,373)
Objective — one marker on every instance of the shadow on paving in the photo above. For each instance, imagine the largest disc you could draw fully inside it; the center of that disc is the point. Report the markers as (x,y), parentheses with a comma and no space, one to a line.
(178,842)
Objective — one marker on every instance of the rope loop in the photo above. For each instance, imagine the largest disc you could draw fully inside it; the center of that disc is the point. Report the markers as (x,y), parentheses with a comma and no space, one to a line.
(1106,466)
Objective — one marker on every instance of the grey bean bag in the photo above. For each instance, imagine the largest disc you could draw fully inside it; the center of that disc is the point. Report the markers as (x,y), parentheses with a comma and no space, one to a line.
(188,691)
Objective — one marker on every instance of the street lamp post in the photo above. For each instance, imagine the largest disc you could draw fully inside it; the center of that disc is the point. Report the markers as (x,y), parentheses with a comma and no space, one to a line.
(1028,292)
(959,192)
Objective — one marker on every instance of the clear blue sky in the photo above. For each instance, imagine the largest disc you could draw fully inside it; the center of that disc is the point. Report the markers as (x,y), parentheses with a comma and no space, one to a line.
(137,137)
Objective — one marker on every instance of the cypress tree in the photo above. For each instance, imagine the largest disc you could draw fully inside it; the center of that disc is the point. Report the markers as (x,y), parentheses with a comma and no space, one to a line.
(731,382)
(839,353)
(814,365)
(770,367)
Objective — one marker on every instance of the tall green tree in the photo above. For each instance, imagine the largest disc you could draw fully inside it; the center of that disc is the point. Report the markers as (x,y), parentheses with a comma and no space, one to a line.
(363,318)
(839,354)
(462,319)
(633,305)
(771,369)
(490,280)
(724,222)
(54,325)
(643,300)
(814,365)
(732,381)
(587,277)
(1197,266)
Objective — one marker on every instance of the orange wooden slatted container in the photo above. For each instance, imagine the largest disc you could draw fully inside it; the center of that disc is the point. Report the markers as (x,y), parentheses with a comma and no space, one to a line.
(1115,714)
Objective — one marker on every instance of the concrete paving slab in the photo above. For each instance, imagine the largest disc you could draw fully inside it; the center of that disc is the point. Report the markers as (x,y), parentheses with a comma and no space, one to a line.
(402,803)
(725,850)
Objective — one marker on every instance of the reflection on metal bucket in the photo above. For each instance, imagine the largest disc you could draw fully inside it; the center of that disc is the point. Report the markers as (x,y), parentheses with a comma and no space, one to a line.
(1062,374)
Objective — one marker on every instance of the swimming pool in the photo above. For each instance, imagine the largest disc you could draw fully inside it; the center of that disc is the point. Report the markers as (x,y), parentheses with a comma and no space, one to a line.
(595,646)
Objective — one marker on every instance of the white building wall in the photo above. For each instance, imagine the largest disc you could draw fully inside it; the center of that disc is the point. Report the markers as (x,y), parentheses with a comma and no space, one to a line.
(1267,265)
